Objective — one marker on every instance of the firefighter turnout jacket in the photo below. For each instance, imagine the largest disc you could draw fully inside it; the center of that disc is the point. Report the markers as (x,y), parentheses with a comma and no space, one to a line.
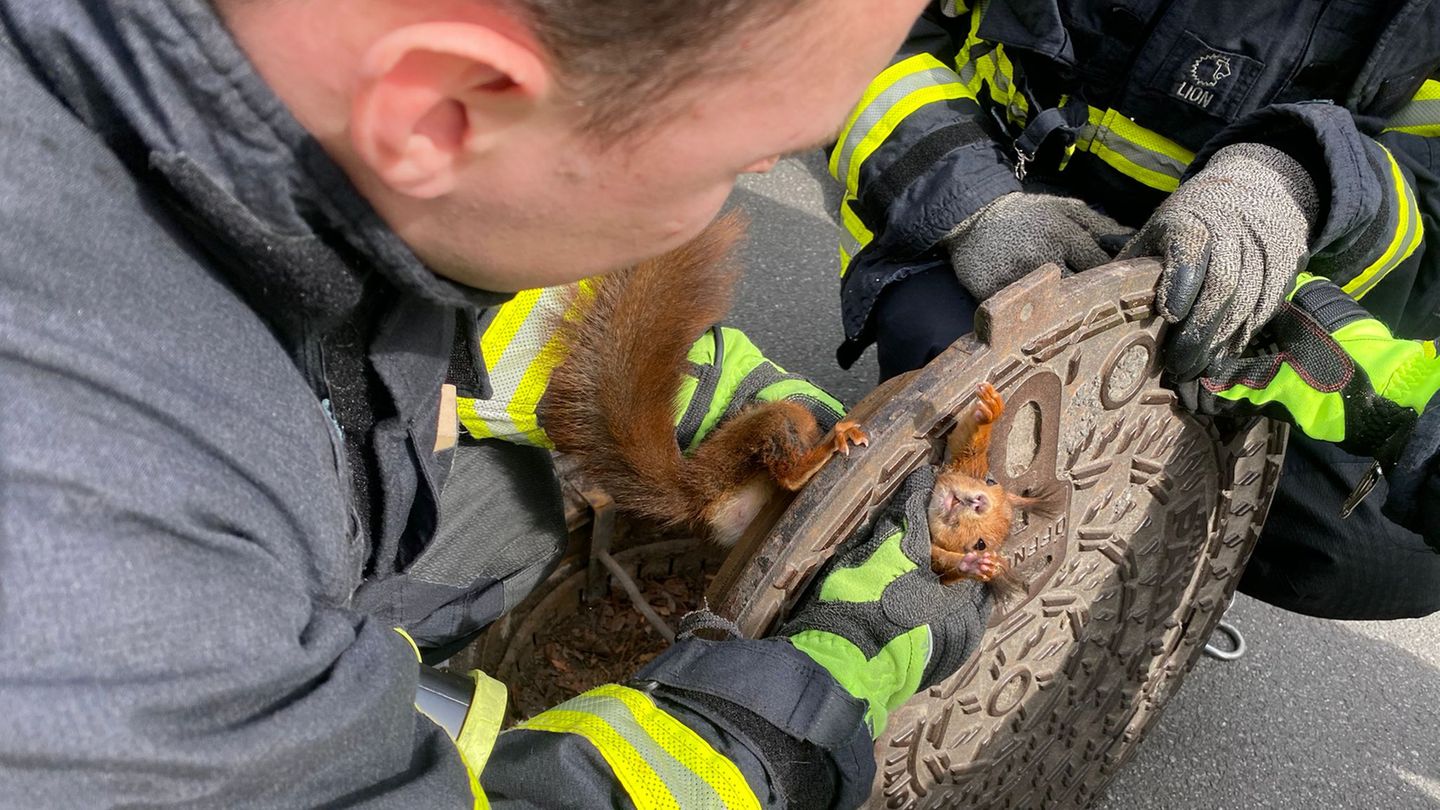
(1119,102)
(219,380)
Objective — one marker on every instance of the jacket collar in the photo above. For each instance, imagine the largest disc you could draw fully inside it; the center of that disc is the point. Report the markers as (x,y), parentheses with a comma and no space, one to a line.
(1034,26)
(168,89)
(1413,31)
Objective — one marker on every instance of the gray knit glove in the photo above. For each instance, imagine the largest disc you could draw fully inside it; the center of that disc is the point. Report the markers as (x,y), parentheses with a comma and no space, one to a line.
(1019,232)
(878,618)
(1231,239)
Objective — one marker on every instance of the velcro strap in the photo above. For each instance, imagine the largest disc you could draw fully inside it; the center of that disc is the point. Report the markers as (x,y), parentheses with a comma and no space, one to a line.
(708,380)
(874,206)
(1066,121)
(467,367)
(798,697)
(1328,305)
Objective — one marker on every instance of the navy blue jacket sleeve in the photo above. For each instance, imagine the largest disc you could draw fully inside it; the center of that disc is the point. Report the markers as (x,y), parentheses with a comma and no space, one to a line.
(1379,189)
(919,154)
(797,738)
(1415,480)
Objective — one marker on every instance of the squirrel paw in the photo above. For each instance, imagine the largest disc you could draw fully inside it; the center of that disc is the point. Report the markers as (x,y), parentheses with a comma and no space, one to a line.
(848,433)
(981,565)
(990,406)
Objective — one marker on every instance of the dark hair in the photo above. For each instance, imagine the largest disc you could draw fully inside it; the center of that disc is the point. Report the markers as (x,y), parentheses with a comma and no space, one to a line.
(620,58)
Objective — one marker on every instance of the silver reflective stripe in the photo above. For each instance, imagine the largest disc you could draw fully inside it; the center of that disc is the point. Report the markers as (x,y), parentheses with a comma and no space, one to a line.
(978,50)
(849,243)
(894,94)
(516,359)
(1416,114)
(1131,151)
(683,782)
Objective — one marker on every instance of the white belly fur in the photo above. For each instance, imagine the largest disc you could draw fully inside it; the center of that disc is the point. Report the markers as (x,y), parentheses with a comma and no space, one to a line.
(729,518)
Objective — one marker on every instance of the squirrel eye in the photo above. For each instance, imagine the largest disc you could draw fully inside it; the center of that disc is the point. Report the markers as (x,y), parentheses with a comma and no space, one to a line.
(979,545)
(989,480)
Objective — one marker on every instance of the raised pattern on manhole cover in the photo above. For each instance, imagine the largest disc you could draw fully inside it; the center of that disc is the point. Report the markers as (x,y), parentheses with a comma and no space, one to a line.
(1124,586)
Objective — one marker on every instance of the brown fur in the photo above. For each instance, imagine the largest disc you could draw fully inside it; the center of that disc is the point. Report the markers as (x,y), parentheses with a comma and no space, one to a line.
(611,403)
(970,517)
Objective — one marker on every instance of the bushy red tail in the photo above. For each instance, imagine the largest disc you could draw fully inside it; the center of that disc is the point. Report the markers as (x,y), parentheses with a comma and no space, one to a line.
(611,403)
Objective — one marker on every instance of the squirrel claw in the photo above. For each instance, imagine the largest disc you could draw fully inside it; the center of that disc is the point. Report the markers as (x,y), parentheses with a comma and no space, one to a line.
(848,433)
(981,565)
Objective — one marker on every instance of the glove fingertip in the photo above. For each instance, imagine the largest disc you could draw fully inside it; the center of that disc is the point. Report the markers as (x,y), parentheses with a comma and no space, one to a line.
(1185,358)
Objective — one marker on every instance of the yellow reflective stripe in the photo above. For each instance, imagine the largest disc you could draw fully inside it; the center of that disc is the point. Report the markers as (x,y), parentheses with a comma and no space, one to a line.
(1136,152)
(407,637)
(1422,115)
(854,227)
(875,120)
(641,782)
(526,401)
(501,333)
(854,236)
(963,59)
(477,753)
(474,423)
(1409,231)
(482,802)
(660,762)
(688,748)
(1017,108)
(878,85)
(521,352)
(991,67)
(486,419)
(882,130)
(477,735)
(482,722)
(532,386)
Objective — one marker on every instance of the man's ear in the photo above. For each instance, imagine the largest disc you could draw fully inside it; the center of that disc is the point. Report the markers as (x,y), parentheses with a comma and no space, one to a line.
(430,96)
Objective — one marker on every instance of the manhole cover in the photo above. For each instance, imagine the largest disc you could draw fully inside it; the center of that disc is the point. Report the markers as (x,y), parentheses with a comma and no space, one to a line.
(1124,586)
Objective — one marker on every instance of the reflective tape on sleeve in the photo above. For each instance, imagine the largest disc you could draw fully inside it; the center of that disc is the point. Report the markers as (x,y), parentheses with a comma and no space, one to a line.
(854,235)
(482,725)
(521,351)
(1409,232)
(659,761)
(1422,115)
(1140,154)
(893,96)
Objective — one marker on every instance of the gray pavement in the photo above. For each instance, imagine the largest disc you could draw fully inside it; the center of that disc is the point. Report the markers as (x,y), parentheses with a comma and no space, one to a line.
(1318,715)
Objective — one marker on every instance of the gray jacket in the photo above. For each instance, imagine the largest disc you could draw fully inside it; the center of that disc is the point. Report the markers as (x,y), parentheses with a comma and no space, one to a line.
(219,377)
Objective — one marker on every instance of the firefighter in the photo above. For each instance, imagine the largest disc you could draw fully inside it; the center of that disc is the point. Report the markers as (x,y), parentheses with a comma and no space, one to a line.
(1245,141)
(245,246)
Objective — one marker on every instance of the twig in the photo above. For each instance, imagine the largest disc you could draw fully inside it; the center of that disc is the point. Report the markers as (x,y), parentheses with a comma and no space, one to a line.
(641,603)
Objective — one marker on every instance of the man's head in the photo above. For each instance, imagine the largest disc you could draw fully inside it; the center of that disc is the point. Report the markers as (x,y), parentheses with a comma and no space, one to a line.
(524,143)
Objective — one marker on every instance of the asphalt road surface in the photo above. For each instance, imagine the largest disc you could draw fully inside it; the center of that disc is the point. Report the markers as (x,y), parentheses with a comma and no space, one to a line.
(1318,714)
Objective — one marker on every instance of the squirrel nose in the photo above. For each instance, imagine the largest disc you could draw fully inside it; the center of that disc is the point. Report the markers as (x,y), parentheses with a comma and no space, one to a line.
(980,502)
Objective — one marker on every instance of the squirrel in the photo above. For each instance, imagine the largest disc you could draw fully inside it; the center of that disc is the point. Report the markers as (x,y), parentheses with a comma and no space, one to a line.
(610,404)
(970,516)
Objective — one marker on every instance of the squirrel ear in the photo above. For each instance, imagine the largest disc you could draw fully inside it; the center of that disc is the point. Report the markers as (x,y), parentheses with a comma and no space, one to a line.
(1049,502)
